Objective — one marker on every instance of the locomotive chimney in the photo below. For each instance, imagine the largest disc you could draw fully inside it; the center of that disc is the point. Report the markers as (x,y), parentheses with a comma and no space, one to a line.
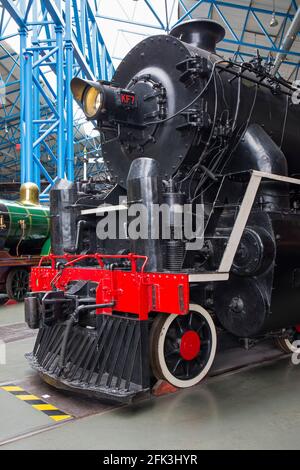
(202,33)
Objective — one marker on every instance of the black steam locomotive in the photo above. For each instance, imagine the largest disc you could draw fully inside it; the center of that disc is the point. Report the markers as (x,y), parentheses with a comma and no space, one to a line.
(183,127)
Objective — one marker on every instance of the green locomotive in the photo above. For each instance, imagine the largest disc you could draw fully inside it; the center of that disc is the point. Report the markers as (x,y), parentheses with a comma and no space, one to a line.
(24,238)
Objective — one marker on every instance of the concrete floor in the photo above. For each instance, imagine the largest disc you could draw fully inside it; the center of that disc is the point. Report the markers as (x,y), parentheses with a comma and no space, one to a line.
(256,408)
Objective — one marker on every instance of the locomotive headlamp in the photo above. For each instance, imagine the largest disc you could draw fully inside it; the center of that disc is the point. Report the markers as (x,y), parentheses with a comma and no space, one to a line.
(89,95)
(102,100)
(92,101)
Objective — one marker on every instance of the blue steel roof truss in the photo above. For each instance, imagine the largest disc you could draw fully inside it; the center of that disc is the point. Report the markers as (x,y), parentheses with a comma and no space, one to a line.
(53,40)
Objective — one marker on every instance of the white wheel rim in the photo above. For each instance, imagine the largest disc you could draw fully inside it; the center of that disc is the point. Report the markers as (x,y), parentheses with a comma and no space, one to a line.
(290,346)
(161,356)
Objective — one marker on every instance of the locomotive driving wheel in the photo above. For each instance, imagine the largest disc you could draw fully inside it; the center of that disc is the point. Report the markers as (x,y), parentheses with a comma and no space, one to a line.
(183,347)
(287,342)
(17,282)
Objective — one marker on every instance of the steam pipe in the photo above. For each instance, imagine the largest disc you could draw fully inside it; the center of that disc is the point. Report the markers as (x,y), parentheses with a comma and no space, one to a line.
(287,42)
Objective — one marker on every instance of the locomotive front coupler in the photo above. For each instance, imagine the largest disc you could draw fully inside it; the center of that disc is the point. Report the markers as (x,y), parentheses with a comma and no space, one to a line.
(47,308)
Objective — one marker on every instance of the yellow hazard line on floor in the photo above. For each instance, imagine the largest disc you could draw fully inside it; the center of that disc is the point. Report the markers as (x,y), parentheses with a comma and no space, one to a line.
(50,410)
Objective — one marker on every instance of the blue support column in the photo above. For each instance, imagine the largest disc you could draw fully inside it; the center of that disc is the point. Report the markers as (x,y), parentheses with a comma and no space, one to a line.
(23,38)
(36,103)
(29,174)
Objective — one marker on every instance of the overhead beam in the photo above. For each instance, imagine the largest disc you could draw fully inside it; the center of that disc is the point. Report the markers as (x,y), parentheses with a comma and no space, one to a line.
(54,12)
(131,22)
(12,9)
(59,21)
(248,8)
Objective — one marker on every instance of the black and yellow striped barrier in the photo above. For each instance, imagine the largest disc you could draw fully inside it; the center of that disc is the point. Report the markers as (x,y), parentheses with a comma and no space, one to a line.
(36,403)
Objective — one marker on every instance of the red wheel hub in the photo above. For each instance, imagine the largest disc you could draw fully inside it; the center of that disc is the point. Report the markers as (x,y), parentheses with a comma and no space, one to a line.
(190,345)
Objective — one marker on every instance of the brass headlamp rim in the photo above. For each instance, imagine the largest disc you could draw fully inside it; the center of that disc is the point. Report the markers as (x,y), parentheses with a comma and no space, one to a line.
(79,89)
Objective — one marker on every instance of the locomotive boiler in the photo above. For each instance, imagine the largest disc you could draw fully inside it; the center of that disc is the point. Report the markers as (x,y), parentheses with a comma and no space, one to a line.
(180,126)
